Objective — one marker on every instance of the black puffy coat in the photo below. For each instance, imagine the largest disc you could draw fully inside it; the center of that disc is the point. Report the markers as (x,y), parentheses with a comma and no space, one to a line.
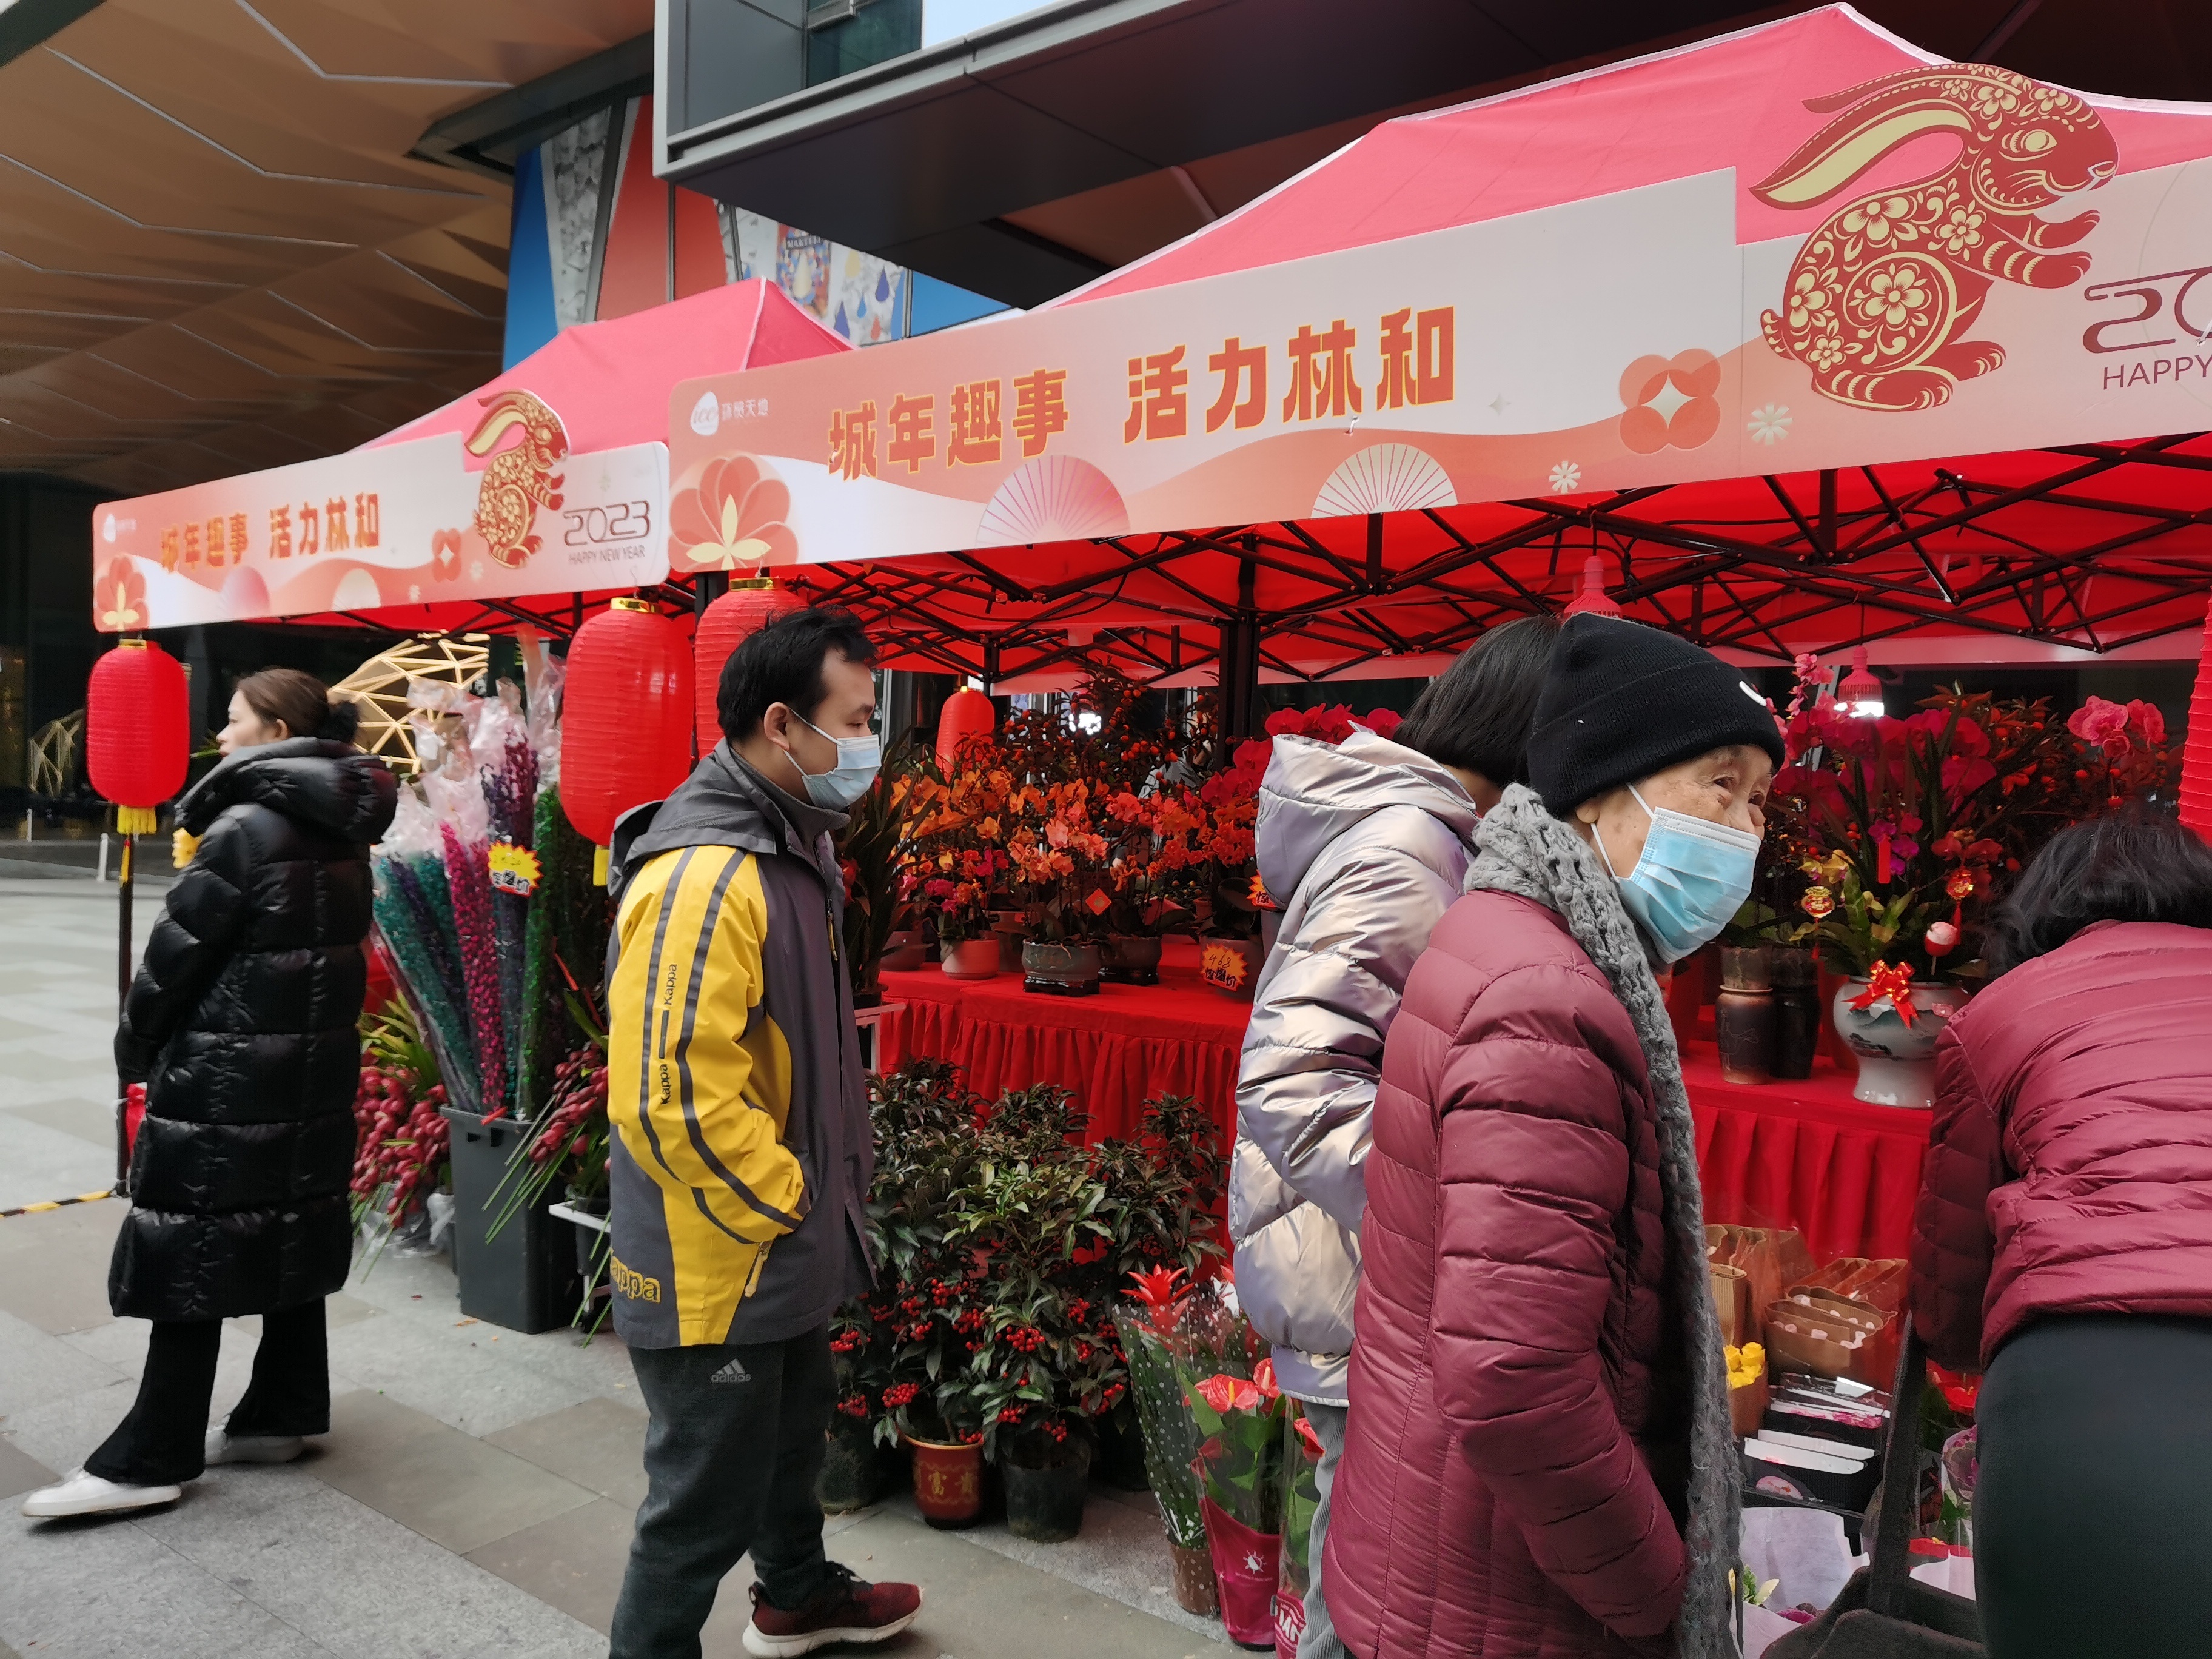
(243,1024)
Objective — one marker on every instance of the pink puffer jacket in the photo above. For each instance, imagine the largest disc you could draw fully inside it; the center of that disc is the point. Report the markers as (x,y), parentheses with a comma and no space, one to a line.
(1519,1431)
(2071,1165)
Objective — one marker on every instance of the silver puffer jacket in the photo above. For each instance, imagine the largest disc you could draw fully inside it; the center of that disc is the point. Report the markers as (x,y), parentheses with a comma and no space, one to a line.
(1369,840)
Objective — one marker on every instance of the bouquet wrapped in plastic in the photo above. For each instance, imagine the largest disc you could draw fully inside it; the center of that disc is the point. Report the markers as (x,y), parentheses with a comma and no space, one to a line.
(1170,1332)
(1301,1498)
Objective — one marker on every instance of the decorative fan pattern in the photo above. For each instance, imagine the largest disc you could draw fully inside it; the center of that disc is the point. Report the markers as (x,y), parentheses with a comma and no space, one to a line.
(1056,498)
(1385,478)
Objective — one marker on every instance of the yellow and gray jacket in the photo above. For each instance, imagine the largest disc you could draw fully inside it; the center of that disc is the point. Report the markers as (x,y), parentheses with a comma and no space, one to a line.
(741,1154)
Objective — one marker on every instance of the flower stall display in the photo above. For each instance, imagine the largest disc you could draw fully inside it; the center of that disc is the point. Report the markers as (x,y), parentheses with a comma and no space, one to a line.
(1901,831)
(401,1156)
(954,856)
(1000,1239)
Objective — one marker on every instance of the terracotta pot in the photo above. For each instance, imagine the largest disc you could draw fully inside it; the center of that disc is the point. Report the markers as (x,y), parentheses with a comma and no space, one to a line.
(973,958)
(1230,966)
(948,1482)
(1130,959)
(1194,1589)
(1897,1062)
(1059,967)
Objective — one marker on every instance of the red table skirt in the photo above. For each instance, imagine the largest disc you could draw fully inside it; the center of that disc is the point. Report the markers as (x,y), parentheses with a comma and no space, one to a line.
(1116,1050)
(1803,1155)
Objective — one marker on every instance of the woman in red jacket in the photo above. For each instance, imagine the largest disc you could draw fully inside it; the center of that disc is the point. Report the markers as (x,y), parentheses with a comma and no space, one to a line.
(1538,1460)
(2064,1243)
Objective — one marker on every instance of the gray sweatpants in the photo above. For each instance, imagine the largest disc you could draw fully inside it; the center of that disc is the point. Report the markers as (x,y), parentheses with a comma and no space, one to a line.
(1319,1641)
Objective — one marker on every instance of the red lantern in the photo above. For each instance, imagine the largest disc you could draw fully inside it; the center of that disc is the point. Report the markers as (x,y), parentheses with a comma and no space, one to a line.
(2197,751)
(625,718)
(748,607)
(138,731)
(967,714)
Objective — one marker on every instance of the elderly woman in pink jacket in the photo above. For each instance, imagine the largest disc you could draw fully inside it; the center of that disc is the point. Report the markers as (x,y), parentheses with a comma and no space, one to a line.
(1539,1464)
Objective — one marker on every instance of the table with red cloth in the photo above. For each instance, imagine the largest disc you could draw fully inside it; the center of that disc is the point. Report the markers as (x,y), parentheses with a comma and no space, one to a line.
(1803,1155)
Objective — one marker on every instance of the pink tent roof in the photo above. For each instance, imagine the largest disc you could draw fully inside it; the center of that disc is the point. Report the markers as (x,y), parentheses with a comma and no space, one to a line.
(1733,101)
(609,381)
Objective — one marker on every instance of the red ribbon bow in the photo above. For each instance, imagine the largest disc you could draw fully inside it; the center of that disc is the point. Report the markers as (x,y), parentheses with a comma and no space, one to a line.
(1890,983)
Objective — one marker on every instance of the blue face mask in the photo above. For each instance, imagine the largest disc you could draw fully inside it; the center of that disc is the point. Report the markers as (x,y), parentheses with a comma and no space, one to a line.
(1692,877)
(858,759)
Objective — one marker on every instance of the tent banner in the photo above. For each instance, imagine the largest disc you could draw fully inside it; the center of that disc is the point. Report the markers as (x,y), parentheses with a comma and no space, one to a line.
(1787,312)
(504,513)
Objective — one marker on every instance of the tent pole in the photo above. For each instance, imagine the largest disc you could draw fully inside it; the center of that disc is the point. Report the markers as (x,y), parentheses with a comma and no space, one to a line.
(123,883)
(1827,513)
(1240,655)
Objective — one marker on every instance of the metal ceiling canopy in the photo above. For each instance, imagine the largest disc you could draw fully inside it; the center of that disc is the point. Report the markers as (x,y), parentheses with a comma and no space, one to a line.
(920,159)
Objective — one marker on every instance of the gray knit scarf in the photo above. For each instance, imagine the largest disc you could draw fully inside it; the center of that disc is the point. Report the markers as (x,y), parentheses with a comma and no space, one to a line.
(1523,849)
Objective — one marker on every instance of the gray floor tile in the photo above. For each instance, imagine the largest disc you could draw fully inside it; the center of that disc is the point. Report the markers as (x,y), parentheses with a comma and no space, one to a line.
(54,1265)
(20,1474)
(363,1585)
(458,1373)
(62,1433)
(597,1443)
(455,1490)
(340,1308)
(92,1121)
(976,1600)
(36,1368)
(106,1589)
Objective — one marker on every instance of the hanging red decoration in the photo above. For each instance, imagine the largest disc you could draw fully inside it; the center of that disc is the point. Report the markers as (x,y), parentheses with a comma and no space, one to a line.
(138,731)
(967,713)
(625,718)
(2197,751)
(748,607)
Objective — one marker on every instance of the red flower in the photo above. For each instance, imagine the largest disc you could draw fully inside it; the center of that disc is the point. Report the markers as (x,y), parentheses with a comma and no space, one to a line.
(1308,1439)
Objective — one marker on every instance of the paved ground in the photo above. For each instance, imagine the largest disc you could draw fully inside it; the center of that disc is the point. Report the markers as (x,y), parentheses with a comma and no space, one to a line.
(475,1495)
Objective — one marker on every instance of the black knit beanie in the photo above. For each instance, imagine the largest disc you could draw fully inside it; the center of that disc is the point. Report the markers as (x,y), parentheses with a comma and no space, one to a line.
(1622,701)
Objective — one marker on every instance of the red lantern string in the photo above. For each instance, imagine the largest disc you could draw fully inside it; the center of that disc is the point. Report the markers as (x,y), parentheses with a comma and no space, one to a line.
(748,607)
(137,732)
(625,718)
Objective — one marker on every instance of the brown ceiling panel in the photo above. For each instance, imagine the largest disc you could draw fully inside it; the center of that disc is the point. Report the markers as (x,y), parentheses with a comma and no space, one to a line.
(216,251)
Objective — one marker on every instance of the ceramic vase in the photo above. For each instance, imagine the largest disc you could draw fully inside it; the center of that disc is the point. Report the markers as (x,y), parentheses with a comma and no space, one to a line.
(1897,1062)
(1059,967)
(1744,1015)
(1130,959)
(972,958)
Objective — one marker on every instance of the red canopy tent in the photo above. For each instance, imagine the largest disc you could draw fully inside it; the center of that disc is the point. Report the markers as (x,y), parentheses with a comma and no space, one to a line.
(1734,492)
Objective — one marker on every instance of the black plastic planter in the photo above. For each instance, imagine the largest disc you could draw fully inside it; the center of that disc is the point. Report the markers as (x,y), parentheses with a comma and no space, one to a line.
(526,1278)
(852,1474)
(1045,1505)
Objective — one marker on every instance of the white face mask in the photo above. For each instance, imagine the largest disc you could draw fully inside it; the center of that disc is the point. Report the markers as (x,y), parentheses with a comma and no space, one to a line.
(858,759)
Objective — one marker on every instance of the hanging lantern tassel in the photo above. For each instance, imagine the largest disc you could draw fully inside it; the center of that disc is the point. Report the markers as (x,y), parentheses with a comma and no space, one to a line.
(625,719)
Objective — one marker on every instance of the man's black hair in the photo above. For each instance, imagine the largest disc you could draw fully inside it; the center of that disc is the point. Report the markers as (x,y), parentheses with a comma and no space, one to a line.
(783,663)
(2139,866)
(1477,713)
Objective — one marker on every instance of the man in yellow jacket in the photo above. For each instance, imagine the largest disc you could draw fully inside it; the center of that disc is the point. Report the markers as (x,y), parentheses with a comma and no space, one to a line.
(741,1154)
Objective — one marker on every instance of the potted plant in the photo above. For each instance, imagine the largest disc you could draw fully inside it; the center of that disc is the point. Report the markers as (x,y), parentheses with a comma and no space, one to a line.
(1240,1414)
(1056,859)
(1895,823)
(1160,1325)
(869,848)
(955,856)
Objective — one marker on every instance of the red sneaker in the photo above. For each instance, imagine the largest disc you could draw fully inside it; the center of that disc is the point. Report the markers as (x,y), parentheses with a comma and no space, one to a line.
(845,1609)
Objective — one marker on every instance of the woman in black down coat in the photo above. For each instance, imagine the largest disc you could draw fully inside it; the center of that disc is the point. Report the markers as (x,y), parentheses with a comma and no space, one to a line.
(243,1024)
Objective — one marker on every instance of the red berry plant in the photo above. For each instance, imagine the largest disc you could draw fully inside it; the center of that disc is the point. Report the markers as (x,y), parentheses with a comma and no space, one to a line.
(401,1153)
(1002,1240)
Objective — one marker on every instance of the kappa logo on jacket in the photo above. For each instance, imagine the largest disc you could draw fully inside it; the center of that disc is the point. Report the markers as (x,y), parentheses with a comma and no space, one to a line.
(733,1373)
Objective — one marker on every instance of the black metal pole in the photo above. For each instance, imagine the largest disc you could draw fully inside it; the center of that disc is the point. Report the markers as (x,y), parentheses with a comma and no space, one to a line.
(122,992)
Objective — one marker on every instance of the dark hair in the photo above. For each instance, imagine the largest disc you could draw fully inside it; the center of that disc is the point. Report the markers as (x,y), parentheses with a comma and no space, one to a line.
(783,663)
(2138,866)
(1476,714)
(303,702)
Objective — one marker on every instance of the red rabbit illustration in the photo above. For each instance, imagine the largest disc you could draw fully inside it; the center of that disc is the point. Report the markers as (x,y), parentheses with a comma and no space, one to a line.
(517,484)
(1881,296)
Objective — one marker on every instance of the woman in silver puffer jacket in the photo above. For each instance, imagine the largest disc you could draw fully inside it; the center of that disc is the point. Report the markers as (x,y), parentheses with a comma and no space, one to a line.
(1366,843)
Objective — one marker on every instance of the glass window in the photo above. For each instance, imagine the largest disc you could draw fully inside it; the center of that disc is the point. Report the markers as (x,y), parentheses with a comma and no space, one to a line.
(876,31)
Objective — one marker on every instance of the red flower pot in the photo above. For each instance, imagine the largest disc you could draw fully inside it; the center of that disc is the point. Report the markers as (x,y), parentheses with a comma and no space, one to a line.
(948,1482)
(1246,1564)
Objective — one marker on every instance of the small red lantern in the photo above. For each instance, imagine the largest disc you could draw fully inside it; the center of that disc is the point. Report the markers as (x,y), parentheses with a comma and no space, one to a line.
(625,718)
(750,606)
(967,713)
(137,732)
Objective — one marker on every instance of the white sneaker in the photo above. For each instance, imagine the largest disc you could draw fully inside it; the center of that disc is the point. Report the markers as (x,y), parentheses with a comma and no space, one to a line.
(79,1493)
(222,1448)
